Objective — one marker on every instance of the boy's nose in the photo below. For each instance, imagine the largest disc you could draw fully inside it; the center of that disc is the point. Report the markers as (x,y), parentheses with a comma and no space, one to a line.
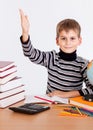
(67,42)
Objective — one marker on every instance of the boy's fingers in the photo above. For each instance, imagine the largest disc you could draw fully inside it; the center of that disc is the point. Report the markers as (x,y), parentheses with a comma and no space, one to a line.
(26,17)
(21,14)
(50,94)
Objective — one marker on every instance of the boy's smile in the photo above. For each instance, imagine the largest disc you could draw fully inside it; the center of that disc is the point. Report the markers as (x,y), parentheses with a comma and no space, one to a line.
(68,41)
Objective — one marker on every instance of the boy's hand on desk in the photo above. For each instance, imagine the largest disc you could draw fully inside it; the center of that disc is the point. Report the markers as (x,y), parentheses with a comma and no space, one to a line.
(58,93)
(64,94)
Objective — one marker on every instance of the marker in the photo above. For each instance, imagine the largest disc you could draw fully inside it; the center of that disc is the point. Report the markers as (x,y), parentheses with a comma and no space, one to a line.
(47,100)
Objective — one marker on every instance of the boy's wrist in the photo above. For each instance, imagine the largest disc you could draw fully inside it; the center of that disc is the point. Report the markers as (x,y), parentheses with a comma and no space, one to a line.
(24,41)
(25,37)
(73,93)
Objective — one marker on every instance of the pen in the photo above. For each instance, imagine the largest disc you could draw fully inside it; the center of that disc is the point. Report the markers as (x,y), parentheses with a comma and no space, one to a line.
(47,100)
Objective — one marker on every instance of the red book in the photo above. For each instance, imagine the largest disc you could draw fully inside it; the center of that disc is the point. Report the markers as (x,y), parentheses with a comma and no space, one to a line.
(7,78)
(8,71)
(12,99)
(11,92)
(15,82)
(5,65)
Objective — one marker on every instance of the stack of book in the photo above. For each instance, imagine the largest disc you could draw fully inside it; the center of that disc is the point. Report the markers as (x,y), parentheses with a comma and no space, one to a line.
(11,87)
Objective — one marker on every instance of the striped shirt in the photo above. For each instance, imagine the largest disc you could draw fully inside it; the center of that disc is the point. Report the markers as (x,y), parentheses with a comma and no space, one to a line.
(62,75)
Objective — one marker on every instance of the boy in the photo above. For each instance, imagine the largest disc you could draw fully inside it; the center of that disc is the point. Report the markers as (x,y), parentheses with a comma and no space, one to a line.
(66,70)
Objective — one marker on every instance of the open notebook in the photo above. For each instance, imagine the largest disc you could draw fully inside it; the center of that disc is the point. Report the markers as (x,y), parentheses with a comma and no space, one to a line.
(45,99)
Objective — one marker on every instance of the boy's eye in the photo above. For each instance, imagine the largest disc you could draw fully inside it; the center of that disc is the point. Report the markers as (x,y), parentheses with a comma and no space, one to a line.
(72,38)
(63,38)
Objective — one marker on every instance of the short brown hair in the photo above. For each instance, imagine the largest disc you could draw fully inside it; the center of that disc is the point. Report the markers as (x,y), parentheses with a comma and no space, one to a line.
(68,24)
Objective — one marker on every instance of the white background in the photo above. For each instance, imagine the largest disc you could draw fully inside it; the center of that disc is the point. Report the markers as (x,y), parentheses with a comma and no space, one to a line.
(43,16)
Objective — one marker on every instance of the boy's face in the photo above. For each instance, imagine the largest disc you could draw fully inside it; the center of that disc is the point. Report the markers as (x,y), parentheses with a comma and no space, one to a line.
(68,41)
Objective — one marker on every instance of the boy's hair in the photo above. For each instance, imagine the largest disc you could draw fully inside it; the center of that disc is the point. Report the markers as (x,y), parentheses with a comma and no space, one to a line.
(68,24)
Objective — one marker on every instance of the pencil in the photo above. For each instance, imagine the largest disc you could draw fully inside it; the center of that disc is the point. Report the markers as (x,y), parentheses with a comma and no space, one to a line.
(47,100)
(78,111)
(65,113)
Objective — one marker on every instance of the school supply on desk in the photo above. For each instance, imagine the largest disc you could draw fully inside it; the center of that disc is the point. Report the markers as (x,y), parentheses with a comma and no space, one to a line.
(6,65)
(13,83)
(85,111)
(8,71)
(64,113)
(12,99)
(72,111)
(79,101)
(11,86)
(45,99)
(30,108)
(7,78)
(11,92)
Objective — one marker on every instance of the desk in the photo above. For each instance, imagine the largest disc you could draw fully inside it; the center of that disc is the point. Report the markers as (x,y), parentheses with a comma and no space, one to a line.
(47,120)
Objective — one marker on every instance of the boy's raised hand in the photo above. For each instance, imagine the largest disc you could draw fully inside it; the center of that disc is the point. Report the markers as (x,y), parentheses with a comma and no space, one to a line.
(25,25)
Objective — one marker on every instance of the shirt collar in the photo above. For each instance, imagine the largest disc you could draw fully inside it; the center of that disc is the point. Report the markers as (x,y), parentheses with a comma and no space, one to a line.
(67,56)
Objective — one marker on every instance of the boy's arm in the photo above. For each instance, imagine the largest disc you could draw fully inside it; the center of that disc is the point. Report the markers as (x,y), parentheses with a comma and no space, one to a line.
(64,94)
(35,55)
(25,26)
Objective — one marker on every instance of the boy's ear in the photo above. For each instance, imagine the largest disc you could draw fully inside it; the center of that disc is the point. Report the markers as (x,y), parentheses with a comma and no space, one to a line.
(80,40)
